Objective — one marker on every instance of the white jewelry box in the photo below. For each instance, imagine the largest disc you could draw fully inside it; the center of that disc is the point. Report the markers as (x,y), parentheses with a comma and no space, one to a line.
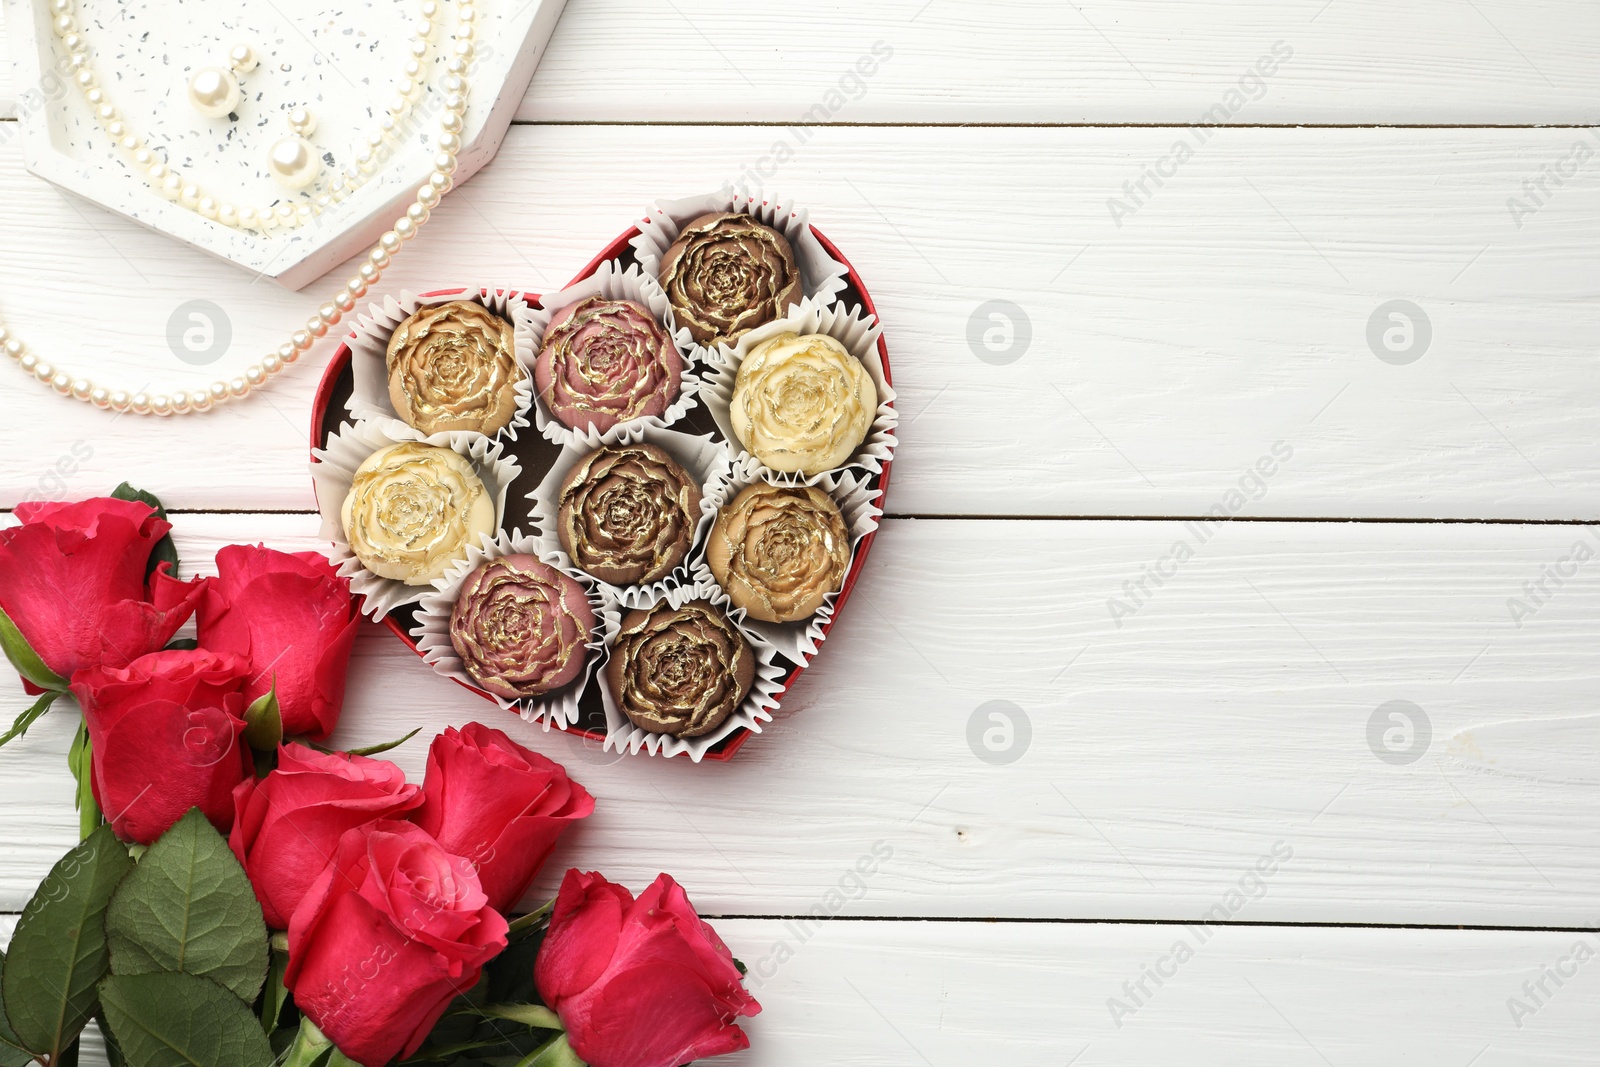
(341,61)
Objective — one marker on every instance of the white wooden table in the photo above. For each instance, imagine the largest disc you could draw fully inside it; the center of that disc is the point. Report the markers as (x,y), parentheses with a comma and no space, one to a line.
(1174,742)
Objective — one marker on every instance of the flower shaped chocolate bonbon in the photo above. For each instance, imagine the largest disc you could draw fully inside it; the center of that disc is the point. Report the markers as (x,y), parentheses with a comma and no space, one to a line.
(627,514)
(726,274)
(413,509)
(454,367)
(779,551)
(680,671)
(604,362)
(520,627)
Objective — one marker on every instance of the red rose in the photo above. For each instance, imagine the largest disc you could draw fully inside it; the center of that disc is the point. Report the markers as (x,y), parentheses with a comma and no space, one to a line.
(287,824)
(167,736)
(293,617)
(392,931)
(639,983)
(72,577)
(499,805)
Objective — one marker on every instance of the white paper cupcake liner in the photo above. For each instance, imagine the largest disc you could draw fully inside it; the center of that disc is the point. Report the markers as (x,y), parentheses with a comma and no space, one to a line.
(858,502)
(432,630)
(613,283)
(854,329)
(369,347)
(333,470)
(704,458)
(822,277)
(623,736)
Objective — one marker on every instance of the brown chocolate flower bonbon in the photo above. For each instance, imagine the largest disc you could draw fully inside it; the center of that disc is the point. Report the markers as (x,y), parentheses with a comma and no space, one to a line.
(726,274)
(627,513)
(680,671)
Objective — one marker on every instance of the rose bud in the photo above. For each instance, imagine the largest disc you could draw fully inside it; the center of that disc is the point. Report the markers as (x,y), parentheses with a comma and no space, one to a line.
(639,983)
(286,825)
(520,627)
(167,735)
(680,671)
(499,805)
(779,551)
(727,274)
(454,367)
(293,617)
(627,514)
(604,362)
(389,934)
(72,578)
(802,403)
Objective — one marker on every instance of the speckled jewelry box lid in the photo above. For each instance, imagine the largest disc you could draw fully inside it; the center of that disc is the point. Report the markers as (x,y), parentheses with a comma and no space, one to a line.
(341,61)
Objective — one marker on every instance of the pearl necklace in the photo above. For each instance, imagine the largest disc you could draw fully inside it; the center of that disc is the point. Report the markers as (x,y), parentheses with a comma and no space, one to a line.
(328,314)
(287,214)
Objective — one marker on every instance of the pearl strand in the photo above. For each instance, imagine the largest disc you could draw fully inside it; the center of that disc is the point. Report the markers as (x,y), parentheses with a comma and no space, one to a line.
(343,301)
(285,215)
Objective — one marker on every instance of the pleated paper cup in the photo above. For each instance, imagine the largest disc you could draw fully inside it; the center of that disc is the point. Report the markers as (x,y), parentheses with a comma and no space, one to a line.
(705,460)
(858,503)
(613,283)
(369,349)
(431,630)
(333,470)
(858,332)
(822,277)
(756,708)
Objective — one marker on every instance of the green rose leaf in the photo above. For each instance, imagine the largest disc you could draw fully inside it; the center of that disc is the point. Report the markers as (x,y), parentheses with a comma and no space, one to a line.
(263,723)
(58,952)
(12,1054)
(26,661)
(30,716)
(189,907)
(114,1056)
(165,551)
(174,1019)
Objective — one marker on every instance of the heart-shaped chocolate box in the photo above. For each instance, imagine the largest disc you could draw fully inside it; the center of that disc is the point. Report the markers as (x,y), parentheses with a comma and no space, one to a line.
(536,455)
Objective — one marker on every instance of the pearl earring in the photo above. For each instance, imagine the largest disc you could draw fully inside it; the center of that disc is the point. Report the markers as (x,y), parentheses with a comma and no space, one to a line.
(214,91)
(292,159)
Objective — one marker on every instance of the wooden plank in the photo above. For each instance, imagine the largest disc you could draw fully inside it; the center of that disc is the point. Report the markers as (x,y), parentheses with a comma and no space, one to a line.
(1226,317)
(1014,61)
(1353,61)
(1226,718)
(941,992)
(913,993)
